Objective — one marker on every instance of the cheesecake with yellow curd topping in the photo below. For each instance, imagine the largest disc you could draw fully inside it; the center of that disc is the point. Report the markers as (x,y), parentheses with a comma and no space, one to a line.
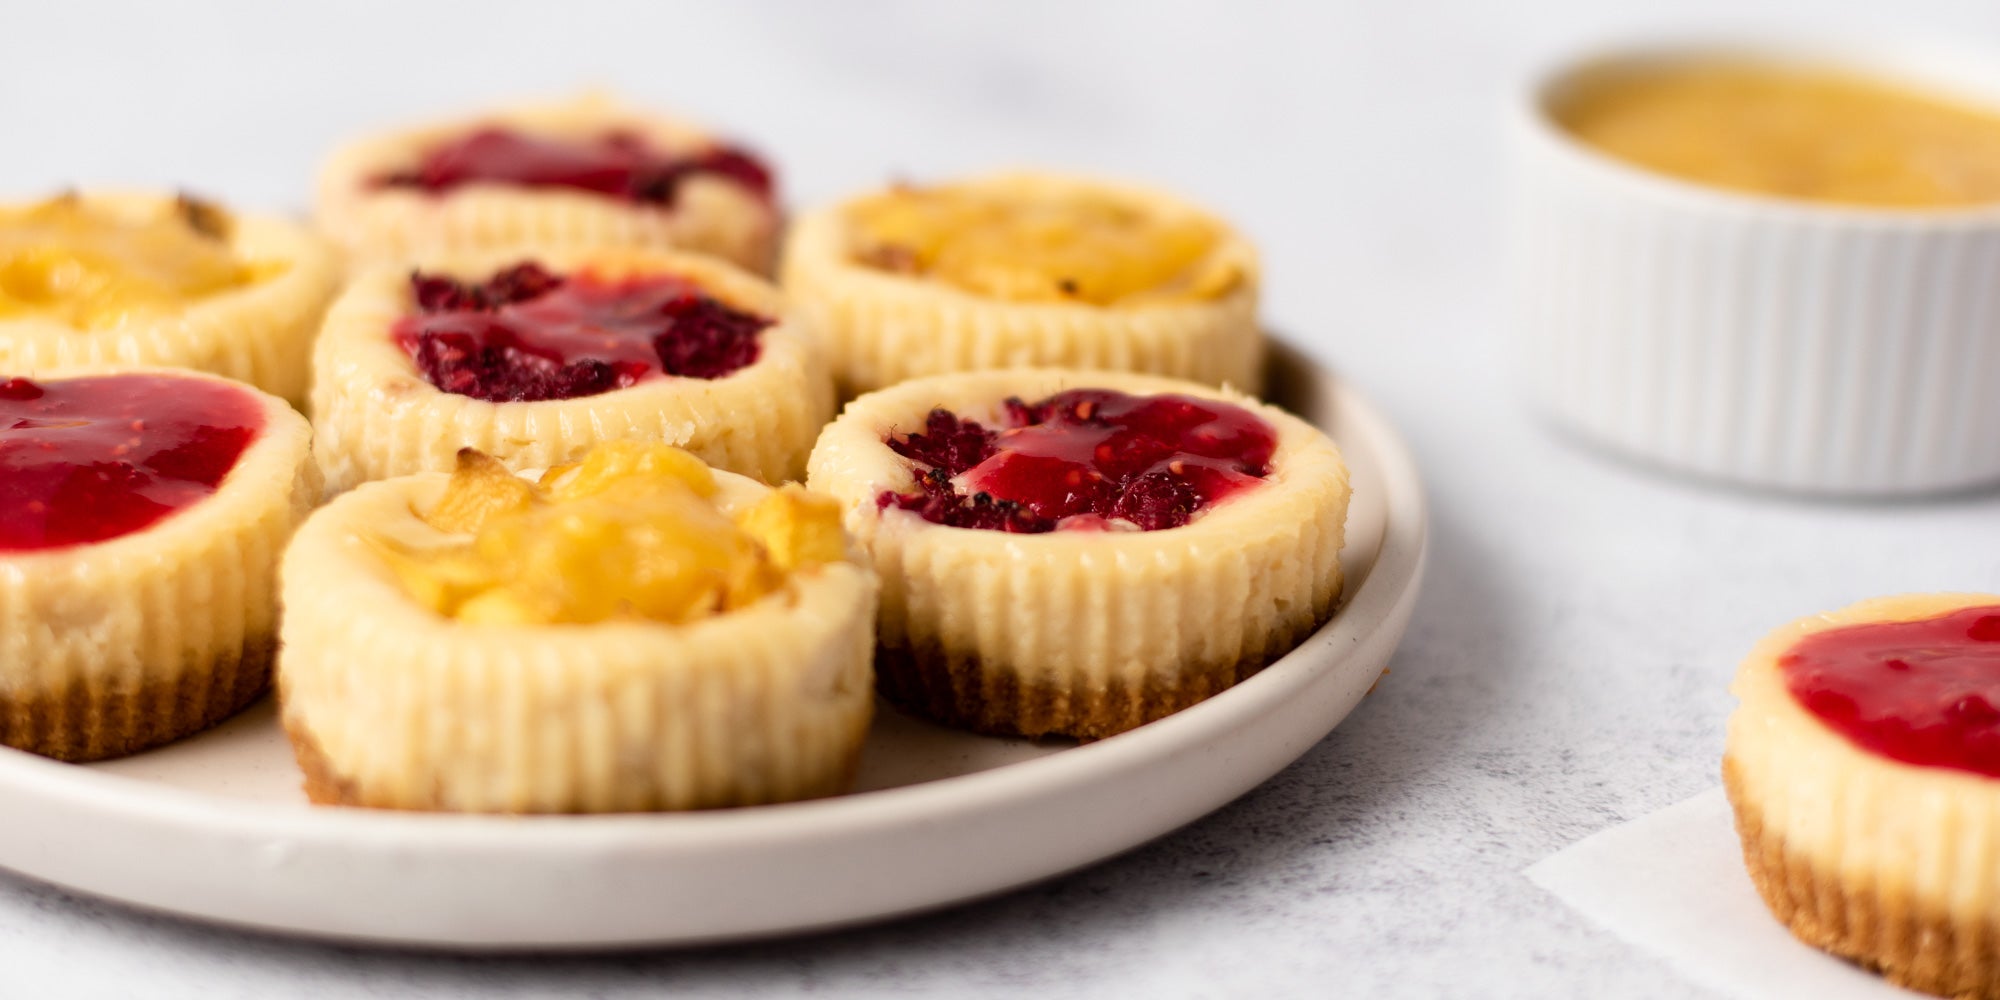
(1863,763)
(629,632)
(535,360)
(1079,553)
(590,171)
(128,279)
(1023,270)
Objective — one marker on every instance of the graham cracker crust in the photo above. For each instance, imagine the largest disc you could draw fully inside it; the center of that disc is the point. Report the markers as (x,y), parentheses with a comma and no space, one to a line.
(957,692)
(326,786)
(1910,943)
(85,722)
(323,785)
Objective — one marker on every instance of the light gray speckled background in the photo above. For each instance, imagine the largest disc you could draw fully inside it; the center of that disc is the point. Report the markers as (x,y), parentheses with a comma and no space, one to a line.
(1566,668)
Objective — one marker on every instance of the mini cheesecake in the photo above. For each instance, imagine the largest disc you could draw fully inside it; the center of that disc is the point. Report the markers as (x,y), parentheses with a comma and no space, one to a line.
(142,514)
(1864,767)
(534,361)
(578,173)
(1026,270)
(88,280)
(1079,553)
(632,632)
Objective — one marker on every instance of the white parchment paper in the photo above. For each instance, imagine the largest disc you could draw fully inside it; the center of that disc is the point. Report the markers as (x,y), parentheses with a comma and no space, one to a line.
(1673,883)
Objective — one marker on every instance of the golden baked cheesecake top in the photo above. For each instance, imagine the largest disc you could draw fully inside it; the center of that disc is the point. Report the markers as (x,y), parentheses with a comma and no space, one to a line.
(527,333)
(1923,692)
(89,459)
(1005,239)
(1082,459)
(630,532)
(1796,131)
(76,262)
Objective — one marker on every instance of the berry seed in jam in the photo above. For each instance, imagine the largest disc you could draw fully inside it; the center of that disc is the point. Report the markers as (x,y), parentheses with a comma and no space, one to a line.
(1085,459)
(1922,692)
(90,459)
(616,164)
(528,335)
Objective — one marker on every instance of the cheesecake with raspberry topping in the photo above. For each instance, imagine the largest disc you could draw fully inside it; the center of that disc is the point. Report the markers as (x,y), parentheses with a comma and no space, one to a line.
(142,513)
(535,360)
(1863,763)
(590,171)
(1079,553)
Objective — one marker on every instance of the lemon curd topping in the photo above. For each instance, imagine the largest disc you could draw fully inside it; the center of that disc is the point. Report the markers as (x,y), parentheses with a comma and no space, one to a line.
(632,532)
(1817,134)
(1036,245)
(77,263)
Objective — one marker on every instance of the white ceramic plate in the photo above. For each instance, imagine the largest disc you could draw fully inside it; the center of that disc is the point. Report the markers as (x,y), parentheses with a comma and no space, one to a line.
(215,827)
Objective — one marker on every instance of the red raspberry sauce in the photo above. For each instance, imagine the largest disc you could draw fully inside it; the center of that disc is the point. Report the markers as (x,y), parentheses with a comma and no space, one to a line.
(1085,459)
(616,164)
(526,335)
(90,459)
(1923,692)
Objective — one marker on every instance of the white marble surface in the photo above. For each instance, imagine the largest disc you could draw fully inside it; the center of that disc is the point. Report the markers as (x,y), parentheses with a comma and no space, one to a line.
(1567,666)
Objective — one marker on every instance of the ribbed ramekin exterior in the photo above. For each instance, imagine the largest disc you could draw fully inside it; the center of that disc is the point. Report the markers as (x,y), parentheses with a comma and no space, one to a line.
(1763,342)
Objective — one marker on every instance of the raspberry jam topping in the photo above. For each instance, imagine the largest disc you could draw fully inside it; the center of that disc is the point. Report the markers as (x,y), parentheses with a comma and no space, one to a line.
(89,459)
(616,164)
(1923,692)
(1085,459)
(527,335)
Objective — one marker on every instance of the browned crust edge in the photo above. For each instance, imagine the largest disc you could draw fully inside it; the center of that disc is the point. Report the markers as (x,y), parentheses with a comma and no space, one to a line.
(1908,942)
(962,693)
(95,721)
(324,785)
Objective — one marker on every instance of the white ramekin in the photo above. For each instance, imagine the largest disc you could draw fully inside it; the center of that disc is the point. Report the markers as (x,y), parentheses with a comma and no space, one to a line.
(1757,340)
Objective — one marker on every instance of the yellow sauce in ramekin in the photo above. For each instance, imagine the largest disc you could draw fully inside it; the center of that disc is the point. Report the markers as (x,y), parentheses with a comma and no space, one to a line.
(1795,131)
